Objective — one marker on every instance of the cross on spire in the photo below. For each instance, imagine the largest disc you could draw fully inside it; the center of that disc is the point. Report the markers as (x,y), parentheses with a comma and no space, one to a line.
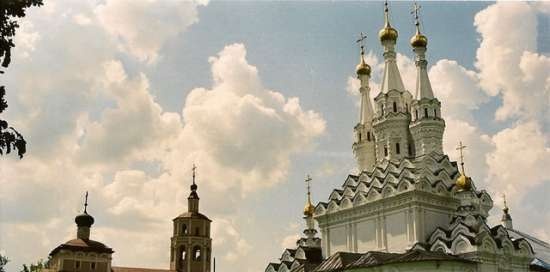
(460,148)
(361,42)
(194,169)
(416,9)
(86,203)
(386,15)
(505,204)
(308,182)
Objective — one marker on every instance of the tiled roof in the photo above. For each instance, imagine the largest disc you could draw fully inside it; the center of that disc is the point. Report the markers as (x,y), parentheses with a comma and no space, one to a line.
(83,245)
(193,215)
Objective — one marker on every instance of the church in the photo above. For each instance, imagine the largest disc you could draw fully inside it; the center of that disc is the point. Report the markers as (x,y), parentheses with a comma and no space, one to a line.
(410,208)
(190,245)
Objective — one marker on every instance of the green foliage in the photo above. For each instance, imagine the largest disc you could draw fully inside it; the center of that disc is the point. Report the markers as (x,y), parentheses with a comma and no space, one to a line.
(3,262)
(34,267)
(10,11)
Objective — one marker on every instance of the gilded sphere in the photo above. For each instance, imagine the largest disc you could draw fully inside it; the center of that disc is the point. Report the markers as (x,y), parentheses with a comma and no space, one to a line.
(362,69)
(464,183)
(388,33)
(419,40)
(309,209)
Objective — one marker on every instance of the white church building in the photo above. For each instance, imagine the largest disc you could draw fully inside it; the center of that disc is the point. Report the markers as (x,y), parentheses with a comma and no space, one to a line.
(410,208)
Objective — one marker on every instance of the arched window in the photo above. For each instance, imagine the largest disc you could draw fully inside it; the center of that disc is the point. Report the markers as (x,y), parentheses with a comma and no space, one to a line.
(359,136)
(368,136)
(385,151)
(425,112)
(184,228)
(409,147)
(183,255)
(397,148)
(197,253)
(416,115)
(394,106)
(435,112)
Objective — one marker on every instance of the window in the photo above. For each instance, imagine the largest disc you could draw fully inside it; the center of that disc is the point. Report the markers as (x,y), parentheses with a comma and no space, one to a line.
(92,265)
(385,151)
(416,115)
(406,107)
(184,229)
(435,112)
(425,112)
(182,255)
(77,264)
(409,147)
(397,148)
(368,136)
(382,109)
(394,106)
(197,253)
(359,134)
(197,231)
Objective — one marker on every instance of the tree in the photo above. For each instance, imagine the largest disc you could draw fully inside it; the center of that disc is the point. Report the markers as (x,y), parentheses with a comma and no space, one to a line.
(34,267)
(3,262)
(10,11)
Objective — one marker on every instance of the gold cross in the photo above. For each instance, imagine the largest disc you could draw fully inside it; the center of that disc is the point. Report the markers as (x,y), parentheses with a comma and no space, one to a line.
(460,148)
(308,182)
(415,10)
(360,41)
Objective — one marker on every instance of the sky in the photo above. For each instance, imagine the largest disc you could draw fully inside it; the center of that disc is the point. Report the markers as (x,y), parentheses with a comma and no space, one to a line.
(121,97)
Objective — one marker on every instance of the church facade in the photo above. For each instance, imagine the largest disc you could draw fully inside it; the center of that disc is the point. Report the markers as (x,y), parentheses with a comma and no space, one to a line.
(190,245)
(410,207)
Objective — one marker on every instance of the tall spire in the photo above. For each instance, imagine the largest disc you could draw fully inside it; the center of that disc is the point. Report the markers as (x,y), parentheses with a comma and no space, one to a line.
(506,217)
(363,74)
(309,209)
(86,203)
(193,199)
(419,43)
(464,183)
(388,37)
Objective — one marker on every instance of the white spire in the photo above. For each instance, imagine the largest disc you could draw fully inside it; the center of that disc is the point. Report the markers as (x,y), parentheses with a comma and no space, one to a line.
(388,37)
(419,43)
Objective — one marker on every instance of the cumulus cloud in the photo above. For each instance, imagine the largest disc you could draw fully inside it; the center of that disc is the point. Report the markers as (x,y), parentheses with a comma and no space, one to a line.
(144,26)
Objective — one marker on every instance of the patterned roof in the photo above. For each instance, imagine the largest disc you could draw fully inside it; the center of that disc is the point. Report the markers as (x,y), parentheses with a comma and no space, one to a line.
(83,245)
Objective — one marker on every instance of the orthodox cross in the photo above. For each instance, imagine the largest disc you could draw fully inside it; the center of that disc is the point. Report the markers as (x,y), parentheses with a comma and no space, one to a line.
(86,202)
(194,169)
(415,10)
(504,197)
(361,42)
(308,182)
(460,148)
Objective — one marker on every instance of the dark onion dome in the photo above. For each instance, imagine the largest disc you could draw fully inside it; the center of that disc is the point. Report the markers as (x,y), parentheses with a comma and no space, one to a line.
(84,220)
(83,245)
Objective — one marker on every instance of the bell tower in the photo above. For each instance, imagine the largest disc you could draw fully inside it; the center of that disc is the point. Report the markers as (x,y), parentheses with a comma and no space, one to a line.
(191,245)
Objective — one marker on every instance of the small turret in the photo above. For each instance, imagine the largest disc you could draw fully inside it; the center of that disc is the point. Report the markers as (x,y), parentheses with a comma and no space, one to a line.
(427,126)
(506,217)
(84,222)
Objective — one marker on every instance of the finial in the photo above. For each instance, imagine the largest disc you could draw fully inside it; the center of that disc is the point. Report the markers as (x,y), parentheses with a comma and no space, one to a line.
(309,208)
(194,185)
(386,14)
(460,148)
(361,43)
(86,203)
(415,10)
(505,204)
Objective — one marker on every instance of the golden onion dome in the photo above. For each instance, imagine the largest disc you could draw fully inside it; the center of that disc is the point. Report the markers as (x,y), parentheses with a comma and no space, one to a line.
(464,183)
(309,209)
(362,68)
(419,40)
(388,33)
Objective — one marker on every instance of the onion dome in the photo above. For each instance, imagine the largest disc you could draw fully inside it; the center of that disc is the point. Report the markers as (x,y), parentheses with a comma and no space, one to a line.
(363,68)
(309,209)
(464,183)
(84,220)
(387,33)
(419,40)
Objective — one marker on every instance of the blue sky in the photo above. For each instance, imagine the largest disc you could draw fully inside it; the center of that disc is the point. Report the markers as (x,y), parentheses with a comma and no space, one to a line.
(121,97)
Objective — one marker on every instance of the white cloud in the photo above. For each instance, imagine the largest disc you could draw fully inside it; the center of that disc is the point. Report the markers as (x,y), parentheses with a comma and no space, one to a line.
(289,241)
(144,26)
(520,159)
(25,39)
